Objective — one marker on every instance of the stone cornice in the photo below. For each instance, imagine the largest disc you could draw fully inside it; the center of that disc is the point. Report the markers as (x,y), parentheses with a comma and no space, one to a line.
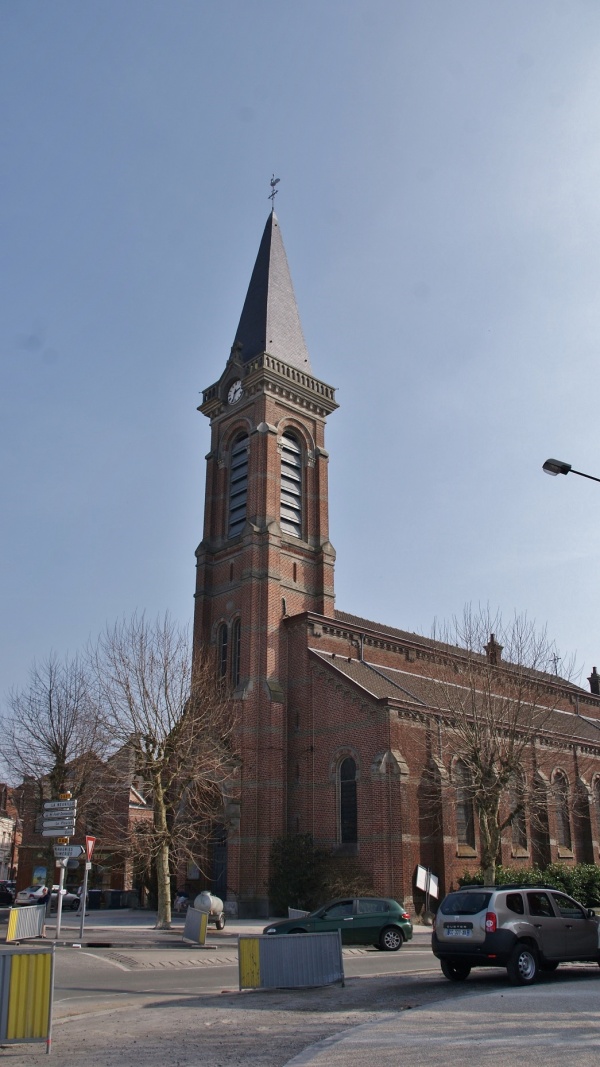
(266,374)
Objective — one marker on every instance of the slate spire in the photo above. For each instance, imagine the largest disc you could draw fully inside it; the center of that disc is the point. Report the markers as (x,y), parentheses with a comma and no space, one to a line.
(269,321)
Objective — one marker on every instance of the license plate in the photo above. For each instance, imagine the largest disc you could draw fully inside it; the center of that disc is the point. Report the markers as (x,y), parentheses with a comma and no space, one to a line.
(457,932)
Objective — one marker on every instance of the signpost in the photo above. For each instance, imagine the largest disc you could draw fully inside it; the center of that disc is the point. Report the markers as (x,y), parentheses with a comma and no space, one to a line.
(428,883)
(59,821)
(68,852)
(59,818)
(89,852)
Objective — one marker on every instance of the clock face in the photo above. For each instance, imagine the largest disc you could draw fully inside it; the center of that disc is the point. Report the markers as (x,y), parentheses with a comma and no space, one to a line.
(235,392)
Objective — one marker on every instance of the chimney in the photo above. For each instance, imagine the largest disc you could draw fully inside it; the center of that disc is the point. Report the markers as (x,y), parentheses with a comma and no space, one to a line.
(493,651)
(594,680)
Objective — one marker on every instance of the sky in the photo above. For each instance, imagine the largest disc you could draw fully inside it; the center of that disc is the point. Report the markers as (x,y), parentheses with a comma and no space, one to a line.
(439,205)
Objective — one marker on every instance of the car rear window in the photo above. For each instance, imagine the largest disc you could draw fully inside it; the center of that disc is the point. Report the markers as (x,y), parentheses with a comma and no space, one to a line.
(465,903)
(514,902)
(368,906)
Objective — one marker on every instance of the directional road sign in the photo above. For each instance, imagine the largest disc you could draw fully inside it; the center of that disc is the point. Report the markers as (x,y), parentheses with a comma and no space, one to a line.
(59,817)
(67,829)
(67,852)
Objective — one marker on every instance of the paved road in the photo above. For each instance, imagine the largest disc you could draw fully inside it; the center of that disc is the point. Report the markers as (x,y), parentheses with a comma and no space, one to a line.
(167,1003)
(91,978)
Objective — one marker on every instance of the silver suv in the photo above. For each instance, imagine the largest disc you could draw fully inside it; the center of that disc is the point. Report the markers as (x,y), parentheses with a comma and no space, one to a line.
(523,928)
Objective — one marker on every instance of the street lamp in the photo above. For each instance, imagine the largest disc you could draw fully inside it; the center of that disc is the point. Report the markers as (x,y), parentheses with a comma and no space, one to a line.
(556,466)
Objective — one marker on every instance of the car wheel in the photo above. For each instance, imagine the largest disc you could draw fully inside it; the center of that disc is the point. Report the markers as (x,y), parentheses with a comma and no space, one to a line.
(298,931)
(549,965)
(523,965)
(455,972)
(74,905)
(390,939)
(220,923)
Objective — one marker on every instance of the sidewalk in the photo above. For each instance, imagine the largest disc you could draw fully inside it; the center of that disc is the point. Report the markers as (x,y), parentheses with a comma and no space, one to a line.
(126,928)
(548,1025)
(136,929)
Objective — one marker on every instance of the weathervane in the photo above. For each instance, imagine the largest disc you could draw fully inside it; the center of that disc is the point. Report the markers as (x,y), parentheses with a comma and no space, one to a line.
(274,181)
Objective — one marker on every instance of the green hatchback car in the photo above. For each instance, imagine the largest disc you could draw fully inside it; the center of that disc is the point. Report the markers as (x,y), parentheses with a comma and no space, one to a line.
(362,920)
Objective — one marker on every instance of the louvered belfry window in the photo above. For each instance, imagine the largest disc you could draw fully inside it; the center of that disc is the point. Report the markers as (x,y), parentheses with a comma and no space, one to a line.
(238,485)
(291,486)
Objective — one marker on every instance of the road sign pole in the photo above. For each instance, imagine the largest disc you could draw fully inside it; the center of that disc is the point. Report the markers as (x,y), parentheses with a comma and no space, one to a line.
(61,882)
(83,900)
(89,851)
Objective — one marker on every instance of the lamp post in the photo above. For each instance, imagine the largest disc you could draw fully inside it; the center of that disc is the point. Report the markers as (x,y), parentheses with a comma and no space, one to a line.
(556,466)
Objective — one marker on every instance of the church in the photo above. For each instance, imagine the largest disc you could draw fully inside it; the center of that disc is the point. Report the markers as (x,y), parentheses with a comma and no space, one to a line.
(341,719)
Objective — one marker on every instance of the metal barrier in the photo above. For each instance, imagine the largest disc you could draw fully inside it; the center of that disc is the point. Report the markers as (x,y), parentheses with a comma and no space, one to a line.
(26,992)
(196,924)
(290,961)
(26,922)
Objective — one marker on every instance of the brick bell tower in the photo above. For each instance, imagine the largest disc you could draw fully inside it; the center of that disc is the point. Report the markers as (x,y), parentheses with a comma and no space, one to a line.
(265,553)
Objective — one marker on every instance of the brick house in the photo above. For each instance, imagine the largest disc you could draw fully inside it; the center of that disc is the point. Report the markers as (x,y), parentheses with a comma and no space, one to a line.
(110,805)
(340,716)
(10,833)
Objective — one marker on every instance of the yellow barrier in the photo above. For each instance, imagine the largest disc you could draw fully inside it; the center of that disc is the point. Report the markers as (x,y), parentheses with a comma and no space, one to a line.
(249,963)
(291,961)
(26,922)
(26,991)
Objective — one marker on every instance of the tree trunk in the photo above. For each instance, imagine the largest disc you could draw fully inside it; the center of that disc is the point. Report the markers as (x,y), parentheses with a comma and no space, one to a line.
(489,834)
(489,874)
(163,919)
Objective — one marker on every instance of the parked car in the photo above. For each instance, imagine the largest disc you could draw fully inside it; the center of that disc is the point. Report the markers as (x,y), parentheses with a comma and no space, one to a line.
(34,894)
(70,900)
(7,893)
(523,928)
(362,920)
(38,894)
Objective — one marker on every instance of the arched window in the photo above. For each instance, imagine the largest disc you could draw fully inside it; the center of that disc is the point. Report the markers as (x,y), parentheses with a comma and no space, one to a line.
(236,644)
(238,485)
(465,822)
(519,821)
(290,518)
(348,807)
(222,650)
(560,789)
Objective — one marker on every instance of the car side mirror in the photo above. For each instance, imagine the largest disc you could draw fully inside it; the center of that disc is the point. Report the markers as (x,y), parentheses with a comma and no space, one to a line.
(591,914)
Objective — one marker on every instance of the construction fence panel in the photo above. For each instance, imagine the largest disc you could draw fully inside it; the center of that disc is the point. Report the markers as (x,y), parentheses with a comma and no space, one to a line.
(26,922)
(290,961)
(26,991)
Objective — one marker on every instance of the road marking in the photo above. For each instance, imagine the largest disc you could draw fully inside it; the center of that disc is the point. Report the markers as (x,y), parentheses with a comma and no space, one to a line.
(107,959)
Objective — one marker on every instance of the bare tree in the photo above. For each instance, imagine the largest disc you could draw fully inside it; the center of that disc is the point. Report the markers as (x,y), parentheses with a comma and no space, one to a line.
(53,733)
(53,726)
(500,696)
(177,723)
